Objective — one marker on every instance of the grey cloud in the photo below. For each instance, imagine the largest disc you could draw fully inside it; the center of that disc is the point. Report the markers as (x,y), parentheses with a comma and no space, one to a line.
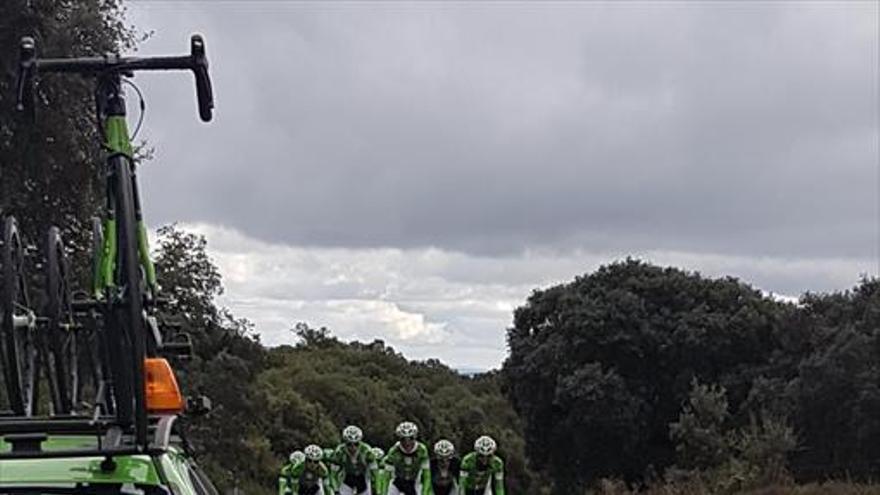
(493,129)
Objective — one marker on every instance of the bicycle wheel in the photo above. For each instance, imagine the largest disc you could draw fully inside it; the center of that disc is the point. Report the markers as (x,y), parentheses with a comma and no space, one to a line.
(20,347)
(98,354)
(64,358)
(130,314)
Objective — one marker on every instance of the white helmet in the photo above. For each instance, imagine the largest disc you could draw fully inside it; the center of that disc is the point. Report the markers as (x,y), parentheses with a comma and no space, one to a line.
(485,445)
(297,457)
(378,453)
(407,430)
(352,434)
(314,453)
(444,449)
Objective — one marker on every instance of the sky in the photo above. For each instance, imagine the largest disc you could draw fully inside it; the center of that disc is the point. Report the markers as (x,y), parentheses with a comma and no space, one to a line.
(413,171)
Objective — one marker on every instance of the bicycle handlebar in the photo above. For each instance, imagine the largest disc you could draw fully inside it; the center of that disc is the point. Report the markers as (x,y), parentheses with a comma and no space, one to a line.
(196,61)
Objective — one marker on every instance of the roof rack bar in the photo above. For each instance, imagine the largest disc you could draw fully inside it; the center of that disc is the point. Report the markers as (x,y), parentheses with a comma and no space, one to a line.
(49,426)
(50,454)
(30,489)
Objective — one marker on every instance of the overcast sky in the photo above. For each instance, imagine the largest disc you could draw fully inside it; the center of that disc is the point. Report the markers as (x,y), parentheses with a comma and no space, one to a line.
(412,171)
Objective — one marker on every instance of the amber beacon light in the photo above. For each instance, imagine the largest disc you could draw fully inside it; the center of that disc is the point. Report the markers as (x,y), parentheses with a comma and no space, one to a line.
(163,394)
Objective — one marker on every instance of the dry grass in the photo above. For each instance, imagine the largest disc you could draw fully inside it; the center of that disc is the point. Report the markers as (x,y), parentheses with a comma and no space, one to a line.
(830,488)
(610,487)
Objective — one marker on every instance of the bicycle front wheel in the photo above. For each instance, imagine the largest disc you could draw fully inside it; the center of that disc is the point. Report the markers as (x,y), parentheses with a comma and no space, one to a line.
(130,314)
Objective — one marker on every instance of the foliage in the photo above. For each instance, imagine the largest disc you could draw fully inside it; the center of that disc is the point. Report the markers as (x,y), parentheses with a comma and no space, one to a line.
(699,434)
(268,402)
(599,367)
(617,487)
(630,336)
(721,459)
(44,158)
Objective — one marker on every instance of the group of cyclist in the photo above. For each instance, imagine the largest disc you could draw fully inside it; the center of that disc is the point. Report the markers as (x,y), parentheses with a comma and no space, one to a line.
(355,468)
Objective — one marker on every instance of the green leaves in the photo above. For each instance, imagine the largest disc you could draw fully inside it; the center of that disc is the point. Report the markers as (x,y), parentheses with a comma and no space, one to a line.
(700,433)
(601,367)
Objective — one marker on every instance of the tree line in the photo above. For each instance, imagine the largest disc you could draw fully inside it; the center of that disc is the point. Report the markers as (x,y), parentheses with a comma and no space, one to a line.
(271,401)
(636,370)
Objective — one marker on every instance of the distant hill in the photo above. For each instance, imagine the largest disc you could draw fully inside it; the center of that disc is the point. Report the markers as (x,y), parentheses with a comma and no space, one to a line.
(470,371)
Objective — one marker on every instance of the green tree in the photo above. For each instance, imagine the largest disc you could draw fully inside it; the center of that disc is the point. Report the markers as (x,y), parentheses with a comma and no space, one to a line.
(700,432)
(321,384)
(599,367)
(227,360)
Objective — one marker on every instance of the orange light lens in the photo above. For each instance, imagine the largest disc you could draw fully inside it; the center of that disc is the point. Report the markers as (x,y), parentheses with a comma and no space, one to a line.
(163,394)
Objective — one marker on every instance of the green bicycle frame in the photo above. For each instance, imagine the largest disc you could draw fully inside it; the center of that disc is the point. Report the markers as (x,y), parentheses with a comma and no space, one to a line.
(118,143)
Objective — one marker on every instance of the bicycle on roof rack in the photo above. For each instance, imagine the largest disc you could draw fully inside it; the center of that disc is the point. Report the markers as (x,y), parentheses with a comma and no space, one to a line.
(31,343)
(124,289)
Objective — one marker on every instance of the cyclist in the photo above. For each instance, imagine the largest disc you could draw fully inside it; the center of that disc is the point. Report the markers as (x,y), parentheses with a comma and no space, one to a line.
(310,477)
(284,477)
(445,467)
(482,472)
(356,463)
(378,476)
(334,469)
(406,466)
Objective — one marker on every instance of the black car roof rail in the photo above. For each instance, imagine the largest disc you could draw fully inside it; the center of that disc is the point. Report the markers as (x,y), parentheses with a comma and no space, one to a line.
(26,434)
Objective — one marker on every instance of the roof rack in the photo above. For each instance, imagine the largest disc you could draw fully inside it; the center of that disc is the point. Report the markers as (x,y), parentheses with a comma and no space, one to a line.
(26,435)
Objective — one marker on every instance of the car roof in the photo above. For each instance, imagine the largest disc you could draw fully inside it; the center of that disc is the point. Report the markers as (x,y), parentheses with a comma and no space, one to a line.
(137,469)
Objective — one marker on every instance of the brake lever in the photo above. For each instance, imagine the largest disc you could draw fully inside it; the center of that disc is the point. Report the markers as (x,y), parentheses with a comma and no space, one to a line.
(27,60)
(204,92)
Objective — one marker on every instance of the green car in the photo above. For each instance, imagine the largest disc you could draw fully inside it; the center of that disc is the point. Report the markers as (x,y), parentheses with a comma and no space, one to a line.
(82,456)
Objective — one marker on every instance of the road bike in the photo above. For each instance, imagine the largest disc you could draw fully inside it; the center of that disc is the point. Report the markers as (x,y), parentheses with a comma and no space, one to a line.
(124,288)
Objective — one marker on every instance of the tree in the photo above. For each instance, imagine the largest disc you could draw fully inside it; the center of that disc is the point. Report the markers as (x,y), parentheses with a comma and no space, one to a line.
(599,367)
(227,360)
(700,432)
(715,457)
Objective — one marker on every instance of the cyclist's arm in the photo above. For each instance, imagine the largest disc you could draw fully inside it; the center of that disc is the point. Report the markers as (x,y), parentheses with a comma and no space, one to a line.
(373,465)
(390,461)
(284,480)
(333,463)
(326,479)
(498,476)
(426,476)
(372,460)
(293,477)
(293,485)
(282,485)
(455,467)
(463,482)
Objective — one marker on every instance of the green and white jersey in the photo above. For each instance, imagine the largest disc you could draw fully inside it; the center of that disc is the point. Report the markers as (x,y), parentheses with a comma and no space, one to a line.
(379,481)
(475,475)
(408,466)
(308,475)
(358,464)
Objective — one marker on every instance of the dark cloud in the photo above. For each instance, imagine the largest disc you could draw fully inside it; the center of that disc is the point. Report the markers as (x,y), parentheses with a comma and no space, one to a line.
(745,129)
